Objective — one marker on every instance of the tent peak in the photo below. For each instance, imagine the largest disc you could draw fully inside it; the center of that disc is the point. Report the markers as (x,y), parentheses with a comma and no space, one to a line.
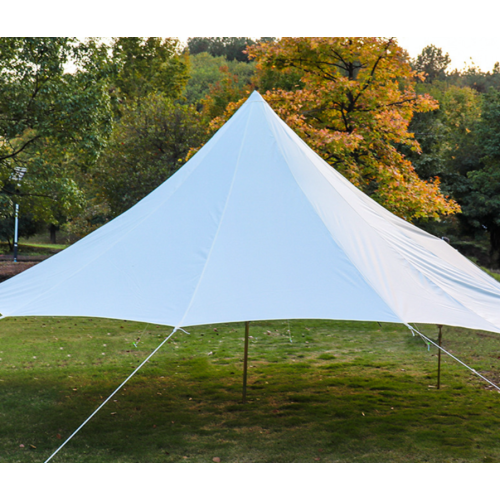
(255,97)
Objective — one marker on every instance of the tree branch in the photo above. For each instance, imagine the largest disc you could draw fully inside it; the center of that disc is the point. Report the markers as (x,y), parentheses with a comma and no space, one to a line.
(20,150)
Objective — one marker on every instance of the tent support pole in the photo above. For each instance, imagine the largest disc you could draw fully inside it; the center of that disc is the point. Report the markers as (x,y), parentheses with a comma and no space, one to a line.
(245,362)
(440,339)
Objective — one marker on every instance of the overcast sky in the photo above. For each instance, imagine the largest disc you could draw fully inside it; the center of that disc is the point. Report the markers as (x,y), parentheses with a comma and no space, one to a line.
(463,29)
(485,52)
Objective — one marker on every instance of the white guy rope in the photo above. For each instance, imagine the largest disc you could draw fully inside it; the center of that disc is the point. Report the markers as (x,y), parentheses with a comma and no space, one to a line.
(128,378)
(414,330)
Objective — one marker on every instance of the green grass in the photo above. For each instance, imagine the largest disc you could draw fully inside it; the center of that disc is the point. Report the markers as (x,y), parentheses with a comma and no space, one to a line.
(51,246)
(491,273)
(341,392)
(33,248)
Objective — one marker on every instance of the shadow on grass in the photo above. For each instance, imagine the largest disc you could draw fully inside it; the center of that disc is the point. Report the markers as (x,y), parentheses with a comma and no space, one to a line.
(341,392)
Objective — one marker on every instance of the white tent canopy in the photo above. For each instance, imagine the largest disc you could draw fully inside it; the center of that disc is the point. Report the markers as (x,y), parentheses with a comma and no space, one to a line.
(257,226)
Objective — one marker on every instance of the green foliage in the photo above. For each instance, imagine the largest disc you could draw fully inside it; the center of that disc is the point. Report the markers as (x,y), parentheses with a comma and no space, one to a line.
(432,63)
(54,122)
(207,71)
(480,196)
(146,65)
(233,48)
(148,145)
(461,144)
(473,77)
(447,134)
(226,91)
(288,79)
(27,227)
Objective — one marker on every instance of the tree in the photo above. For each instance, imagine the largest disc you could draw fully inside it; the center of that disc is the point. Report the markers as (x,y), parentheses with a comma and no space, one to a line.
(432,63)
(206,71)
(446,135)
(479,191)
(149,65)
(449,149)
(148,145)
(222,93)
(52,122)
(233,48)
(28,226)
(472,76)
(354,109)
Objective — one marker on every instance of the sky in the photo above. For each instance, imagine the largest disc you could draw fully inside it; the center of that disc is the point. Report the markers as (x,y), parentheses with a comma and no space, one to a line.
(484,52)
(463,29)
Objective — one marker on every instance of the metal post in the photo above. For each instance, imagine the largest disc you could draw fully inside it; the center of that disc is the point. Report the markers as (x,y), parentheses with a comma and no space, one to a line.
(440,338)
(16,231)
(245,362)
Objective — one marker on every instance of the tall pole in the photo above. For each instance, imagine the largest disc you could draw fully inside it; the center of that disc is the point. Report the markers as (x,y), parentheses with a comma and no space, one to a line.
(17,175)
(245,362)
(16,231)
(440,339)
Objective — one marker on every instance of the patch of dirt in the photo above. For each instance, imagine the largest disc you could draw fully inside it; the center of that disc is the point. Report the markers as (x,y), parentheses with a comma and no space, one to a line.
(10,269)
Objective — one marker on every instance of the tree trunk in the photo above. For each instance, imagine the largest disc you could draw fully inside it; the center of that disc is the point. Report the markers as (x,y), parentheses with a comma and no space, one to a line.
(52,231)
(495,248)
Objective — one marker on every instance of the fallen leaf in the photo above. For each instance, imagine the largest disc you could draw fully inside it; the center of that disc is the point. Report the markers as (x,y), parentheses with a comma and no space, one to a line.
(317,459)
(362,414)
(21,446)
(114,413)
(31,446)
(216,460)
(59,436)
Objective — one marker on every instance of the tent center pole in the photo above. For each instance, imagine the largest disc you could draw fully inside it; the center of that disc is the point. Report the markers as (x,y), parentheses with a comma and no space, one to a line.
(440,339)
(245,362)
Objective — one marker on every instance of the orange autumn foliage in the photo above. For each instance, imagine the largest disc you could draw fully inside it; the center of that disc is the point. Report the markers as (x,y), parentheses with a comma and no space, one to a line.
(353,107)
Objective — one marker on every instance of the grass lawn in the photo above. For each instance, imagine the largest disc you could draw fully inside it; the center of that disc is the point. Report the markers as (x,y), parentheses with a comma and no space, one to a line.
(340,392)
(32,249)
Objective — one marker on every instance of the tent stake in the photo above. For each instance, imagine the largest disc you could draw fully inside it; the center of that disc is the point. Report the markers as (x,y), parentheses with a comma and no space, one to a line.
(245,362)
(440,338)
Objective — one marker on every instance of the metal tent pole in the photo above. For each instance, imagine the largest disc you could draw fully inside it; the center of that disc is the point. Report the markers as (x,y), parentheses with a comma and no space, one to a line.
(16,231)
(440,339)
(245,362)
